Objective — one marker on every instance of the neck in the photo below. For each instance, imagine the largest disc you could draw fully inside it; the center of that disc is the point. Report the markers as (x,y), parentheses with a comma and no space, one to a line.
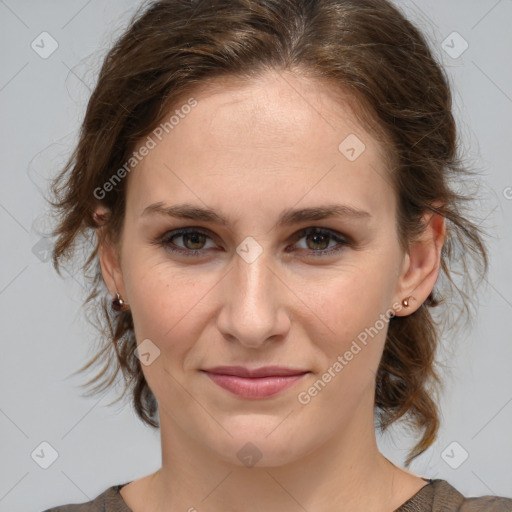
(346,473)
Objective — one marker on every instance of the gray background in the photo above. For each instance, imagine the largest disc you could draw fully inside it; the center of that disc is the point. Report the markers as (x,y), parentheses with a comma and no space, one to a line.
(45,336)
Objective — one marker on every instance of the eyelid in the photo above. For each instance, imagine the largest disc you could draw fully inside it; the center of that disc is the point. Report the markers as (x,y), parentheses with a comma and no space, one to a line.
(176,233)
(341,239)
(335,235)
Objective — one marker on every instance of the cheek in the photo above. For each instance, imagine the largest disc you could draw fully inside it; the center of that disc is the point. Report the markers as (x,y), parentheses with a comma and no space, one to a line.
(156,302)
(351,308)
(353,298)
(351,348)
(167,303)
(165,310)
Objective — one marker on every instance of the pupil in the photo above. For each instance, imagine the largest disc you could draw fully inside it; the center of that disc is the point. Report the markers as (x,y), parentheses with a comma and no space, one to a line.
(317,239)
(195,237)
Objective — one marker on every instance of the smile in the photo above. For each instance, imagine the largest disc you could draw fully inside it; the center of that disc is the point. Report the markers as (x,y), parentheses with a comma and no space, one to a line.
(255,387)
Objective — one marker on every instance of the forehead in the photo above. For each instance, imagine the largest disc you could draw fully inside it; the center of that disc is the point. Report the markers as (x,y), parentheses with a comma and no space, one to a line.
(278,132)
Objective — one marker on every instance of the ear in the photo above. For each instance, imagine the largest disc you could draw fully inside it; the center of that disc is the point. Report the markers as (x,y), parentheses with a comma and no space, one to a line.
(109,258)
(111,269)
(421,265)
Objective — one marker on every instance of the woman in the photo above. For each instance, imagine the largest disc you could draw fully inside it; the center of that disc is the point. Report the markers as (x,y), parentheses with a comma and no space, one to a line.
(268,182)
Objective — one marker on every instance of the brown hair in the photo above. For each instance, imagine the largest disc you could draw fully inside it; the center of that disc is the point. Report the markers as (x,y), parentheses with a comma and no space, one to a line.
(368,50)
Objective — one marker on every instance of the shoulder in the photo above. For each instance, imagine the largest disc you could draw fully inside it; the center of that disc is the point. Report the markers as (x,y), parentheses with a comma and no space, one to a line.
(440,496)
(109,500)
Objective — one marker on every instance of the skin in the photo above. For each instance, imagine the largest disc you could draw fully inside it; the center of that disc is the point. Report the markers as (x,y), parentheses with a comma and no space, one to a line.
(249,151)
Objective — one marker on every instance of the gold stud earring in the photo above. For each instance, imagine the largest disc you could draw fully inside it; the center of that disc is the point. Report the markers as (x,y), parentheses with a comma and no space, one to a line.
(118,304)
(405,302)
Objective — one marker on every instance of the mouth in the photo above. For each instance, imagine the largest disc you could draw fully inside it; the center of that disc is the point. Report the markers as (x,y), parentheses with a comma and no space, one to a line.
(257,383)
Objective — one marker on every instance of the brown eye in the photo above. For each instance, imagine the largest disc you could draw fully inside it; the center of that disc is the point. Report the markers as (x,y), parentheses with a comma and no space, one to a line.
(193,241)
(318,241)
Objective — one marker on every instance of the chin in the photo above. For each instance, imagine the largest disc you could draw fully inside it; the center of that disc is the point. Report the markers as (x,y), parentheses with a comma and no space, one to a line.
(261,444)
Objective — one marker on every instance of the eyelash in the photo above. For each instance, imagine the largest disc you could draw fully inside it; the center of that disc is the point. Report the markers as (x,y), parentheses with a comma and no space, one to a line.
(167,237)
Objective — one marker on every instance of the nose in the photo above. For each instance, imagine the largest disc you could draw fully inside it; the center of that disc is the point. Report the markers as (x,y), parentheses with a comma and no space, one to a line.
(253,304)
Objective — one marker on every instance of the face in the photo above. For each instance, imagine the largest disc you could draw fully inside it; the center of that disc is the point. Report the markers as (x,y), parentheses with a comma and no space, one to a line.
(278,282)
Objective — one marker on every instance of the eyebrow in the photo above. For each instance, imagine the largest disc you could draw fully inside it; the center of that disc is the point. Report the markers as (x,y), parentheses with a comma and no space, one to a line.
(287,217)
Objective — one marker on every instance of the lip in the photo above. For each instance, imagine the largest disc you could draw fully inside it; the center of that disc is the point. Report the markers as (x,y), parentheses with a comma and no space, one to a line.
(255,383)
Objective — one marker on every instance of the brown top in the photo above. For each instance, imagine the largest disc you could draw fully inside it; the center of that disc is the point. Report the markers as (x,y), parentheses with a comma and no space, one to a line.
(437,496)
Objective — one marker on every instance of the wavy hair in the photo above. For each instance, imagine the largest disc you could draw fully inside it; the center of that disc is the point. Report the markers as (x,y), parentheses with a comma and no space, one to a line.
(370,51)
